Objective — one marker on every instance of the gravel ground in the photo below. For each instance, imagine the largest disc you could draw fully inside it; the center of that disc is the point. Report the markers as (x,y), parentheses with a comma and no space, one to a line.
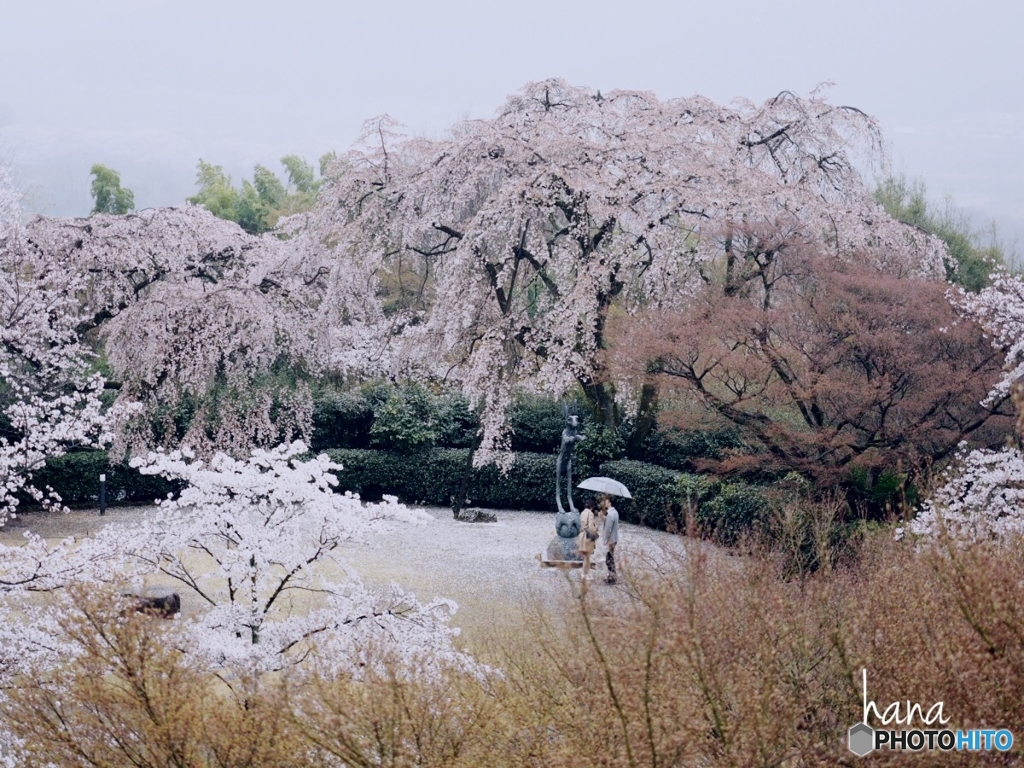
(492,570)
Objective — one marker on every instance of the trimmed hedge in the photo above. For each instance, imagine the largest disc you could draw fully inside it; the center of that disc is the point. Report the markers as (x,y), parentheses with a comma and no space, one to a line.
(433,477)
(659,494)
(76,478)
(724,511)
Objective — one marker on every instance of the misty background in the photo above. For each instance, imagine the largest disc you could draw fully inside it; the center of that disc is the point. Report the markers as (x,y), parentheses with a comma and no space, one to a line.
(148,87)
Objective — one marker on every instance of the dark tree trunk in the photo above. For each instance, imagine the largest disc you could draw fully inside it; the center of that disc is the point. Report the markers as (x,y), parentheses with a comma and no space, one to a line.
(601,397)
(645,420)
(467,475)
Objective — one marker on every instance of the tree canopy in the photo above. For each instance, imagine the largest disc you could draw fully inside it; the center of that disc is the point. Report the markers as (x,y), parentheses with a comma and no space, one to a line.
(258,204)
(823,367)
(107,193)
(971,259)
(494,257)
(491,259)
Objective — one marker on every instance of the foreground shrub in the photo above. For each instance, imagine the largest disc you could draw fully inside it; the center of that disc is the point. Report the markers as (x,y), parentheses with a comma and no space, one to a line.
(723,664)
(129,697)
(387,718)
(703,661)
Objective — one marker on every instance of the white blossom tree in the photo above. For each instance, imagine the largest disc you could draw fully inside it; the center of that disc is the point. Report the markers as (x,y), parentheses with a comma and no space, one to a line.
(49,400)
(183,303)
(983,496)
(247,537)
(256,541)
(494,257)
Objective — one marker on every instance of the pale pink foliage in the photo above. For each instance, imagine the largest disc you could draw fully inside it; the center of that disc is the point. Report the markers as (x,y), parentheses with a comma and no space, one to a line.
(53,402)
(983,496)
(182,300)
(1000,311)
(491,258)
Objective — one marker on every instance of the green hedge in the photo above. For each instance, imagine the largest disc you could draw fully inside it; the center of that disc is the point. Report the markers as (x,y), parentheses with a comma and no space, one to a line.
(76,478)
(681,449)
(733,510)
(433,477)
(659,494)
(724,510)
(405,417)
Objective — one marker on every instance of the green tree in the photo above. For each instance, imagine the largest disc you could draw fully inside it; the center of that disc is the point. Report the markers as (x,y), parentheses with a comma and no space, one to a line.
(974,260)
(215,191)
(107,193)
(407,421)
(258,204)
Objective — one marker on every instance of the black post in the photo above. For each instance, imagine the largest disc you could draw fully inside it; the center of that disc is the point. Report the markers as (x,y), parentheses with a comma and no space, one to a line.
(103,494)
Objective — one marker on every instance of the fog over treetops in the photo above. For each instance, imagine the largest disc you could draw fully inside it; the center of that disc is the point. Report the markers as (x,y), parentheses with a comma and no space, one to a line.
(148,87)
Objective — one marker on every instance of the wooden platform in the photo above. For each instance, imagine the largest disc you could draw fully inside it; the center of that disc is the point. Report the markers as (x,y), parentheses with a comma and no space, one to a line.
(559,563)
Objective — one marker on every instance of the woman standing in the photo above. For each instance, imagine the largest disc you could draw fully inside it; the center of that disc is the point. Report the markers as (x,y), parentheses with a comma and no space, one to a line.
(589,532)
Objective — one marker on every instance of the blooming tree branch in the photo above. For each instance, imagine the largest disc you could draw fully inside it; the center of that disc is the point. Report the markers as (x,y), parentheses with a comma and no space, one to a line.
(49,400)
(983,496)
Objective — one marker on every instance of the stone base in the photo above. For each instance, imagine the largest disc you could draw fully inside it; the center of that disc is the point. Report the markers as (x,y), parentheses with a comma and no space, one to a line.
(562,552)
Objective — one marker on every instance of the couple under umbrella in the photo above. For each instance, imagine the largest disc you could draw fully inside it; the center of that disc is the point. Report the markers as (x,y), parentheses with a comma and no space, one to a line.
(602,522)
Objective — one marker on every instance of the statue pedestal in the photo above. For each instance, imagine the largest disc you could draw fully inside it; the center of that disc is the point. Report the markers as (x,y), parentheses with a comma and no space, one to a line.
(562,552)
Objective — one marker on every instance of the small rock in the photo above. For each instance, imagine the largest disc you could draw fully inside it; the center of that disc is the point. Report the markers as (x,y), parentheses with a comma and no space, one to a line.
(476,515)
(159,602)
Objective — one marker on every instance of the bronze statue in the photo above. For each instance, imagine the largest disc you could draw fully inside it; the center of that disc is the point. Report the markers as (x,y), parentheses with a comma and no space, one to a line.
(567,522)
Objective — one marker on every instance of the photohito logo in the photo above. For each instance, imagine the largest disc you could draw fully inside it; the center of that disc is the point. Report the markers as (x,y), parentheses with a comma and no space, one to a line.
(932,733)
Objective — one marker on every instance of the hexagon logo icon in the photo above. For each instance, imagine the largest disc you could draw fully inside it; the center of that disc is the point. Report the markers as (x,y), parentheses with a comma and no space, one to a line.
(862,739)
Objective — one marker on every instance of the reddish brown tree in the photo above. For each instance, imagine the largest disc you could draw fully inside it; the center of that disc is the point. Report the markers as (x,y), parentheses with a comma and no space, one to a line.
(824,364)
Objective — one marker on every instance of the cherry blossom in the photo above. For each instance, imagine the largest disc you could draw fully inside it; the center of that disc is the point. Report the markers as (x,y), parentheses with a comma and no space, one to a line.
(51,399)
(983,496)
(492,258)
(1000,309)
(181,302)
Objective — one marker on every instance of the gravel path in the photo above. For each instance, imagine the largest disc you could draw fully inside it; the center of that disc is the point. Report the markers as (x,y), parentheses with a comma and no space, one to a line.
(492,570)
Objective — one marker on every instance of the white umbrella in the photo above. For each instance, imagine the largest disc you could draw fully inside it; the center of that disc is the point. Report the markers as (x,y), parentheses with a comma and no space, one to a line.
(605,485)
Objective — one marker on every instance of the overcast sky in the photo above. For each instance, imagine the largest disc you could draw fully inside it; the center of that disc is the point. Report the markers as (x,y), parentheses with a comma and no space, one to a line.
(150,86)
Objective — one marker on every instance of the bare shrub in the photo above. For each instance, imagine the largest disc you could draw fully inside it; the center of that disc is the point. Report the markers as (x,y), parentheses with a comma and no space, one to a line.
(701,661)
(387,718)
(129,697)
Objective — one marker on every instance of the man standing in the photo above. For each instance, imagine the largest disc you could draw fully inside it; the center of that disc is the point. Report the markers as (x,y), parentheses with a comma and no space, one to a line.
(610,534)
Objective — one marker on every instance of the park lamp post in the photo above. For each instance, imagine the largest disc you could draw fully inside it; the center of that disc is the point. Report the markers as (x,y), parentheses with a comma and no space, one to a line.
(103,494)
